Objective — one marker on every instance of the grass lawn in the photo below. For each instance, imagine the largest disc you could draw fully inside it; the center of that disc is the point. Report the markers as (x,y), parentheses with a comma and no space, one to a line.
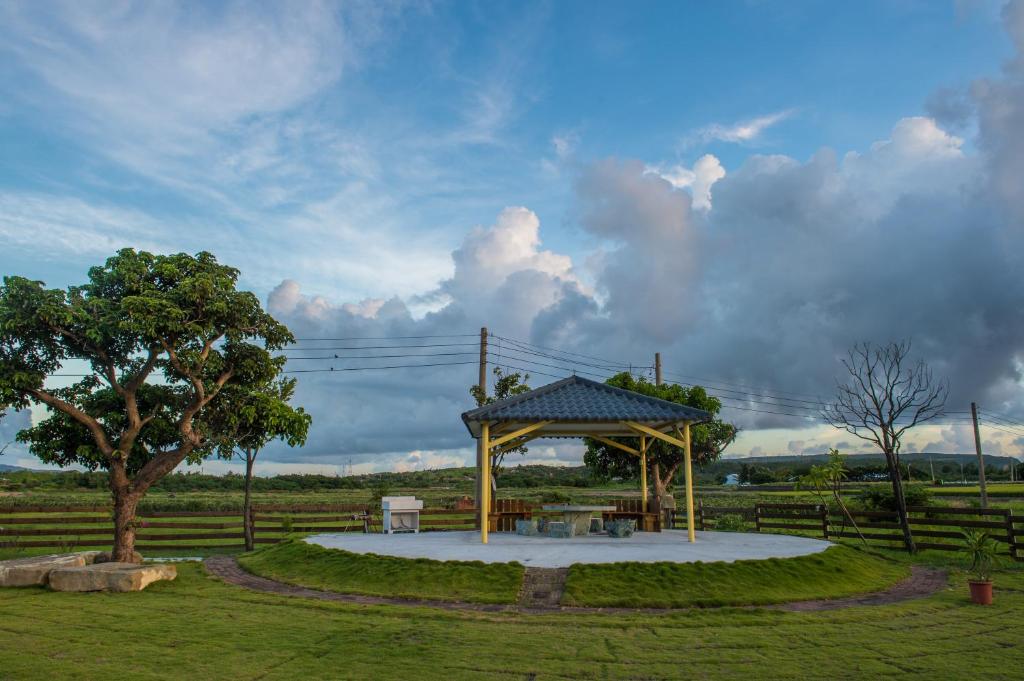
(199,628)
(838,571)
(315,567)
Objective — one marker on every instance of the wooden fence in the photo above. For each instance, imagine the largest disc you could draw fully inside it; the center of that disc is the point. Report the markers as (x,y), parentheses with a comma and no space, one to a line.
(933,527)
(90,527)
(81,527)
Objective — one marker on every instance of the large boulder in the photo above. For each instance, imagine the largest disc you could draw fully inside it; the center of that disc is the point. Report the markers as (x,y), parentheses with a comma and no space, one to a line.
(35,570)
(110,577)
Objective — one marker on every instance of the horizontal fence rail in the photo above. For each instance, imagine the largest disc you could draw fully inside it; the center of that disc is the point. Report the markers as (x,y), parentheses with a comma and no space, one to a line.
(69,528)
(932,527)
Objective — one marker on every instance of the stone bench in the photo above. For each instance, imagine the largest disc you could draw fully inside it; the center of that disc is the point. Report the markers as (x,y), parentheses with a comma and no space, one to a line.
(117,577)
(35,570)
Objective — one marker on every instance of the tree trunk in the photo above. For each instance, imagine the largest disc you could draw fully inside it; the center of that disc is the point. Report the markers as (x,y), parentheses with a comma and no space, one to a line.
(250,460)
(901,501)
(660,483)
(125,504)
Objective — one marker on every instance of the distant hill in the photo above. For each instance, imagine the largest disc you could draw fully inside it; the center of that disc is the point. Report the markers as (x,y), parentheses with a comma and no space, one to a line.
(870,459)
(4,468)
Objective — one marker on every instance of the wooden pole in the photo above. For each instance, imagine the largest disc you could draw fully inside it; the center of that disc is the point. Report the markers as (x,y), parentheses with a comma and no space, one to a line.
(690,530)
(657,368)
(485,476)
(482,383)
(643,473)
(981,457)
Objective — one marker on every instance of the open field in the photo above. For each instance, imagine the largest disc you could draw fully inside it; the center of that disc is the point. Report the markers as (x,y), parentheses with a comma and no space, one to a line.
(197,627)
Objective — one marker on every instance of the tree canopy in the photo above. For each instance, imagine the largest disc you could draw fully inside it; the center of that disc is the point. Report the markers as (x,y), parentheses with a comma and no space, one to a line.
(165,350)
(708,439)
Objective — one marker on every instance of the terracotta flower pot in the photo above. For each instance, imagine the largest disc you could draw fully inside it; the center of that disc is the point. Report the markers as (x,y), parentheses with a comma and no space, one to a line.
(981,592)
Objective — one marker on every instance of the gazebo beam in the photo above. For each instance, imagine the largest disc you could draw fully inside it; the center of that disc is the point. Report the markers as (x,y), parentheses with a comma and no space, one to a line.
(516,443)
(647,430)
(612,443)
(683,442)
(690,530)
(643,473)
(498,441)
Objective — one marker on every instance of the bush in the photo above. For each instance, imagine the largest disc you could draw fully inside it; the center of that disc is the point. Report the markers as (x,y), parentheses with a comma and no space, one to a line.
(882,498)
(555,497)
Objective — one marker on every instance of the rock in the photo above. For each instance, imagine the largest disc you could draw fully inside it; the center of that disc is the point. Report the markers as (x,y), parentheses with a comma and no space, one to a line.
(105,557)
(110,577)
(35,570)
(560,530)
(526,528)
(621,528)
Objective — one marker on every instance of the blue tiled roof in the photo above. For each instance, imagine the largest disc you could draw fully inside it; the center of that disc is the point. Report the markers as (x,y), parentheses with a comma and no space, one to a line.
(581,400)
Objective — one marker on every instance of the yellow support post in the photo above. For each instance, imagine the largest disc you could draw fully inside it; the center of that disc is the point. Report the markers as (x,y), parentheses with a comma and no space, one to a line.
(485,481)
(643,472)
(689,484)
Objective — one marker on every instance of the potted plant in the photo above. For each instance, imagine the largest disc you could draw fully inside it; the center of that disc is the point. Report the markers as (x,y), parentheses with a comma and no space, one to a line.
(981,549)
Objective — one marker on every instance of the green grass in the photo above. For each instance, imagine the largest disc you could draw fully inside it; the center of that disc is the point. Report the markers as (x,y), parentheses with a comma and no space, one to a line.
(297,562)
(838,571)
(199,628)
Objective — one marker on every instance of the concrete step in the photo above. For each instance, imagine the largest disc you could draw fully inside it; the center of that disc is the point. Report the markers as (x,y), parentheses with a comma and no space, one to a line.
(542,587)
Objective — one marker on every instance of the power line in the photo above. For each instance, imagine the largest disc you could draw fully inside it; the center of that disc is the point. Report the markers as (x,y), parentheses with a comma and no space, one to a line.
(426,354)
(355,338)
(1001,419)
(383,347)
(393,366)
(564,352)
(1009,432)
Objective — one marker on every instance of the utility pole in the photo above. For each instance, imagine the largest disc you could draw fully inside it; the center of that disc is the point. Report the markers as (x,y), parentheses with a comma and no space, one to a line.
(981,458)
(480,448)
(931,465)
(657,368)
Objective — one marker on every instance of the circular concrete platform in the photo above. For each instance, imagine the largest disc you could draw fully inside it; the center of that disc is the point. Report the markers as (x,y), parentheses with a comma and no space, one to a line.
(642,547)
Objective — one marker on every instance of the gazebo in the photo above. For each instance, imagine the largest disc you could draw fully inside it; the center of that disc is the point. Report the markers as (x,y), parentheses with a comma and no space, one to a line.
(578,407)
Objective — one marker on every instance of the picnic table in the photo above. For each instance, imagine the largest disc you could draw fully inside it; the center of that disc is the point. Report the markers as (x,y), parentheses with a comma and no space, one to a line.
(578,516)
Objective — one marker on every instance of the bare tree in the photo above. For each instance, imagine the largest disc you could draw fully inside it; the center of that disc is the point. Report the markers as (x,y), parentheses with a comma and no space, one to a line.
(886,395)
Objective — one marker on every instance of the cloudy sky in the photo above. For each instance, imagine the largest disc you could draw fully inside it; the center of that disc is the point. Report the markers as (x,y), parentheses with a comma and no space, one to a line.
(746,187)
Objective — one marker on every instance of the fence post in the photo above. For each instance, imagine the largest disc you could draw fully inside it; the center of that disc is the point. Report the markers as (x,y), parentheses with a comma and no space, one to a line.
(823,509)
(757,517)
(700,515)
(1008,520)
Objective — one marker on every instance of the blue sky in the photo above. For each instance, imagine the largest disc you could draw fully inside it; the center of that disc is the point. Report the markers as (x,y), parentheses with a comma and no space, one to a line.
(343,155)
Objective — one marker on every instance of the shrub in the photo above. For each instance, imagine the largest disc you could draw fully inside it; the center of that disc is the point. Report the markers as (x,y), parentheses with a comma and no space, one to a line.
(555,497)
(882,498)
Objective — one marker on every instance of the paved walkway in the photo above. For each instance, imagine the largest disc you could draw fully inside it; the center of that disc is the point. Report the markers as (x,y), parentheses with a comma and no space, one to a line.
(548,552)
(540,587)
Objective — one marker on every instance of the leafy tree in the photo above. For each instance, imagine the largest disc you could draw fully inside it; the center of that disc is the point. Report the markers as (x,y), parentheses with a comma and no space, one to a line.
(886,396)
(506,385)
(828,478)
(259,414)
(708,440)
(166,340)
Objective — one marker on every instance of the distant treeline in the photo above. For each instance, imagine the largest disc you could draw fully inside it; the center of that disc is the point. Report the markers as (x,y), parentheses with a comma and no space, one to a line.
(448,478)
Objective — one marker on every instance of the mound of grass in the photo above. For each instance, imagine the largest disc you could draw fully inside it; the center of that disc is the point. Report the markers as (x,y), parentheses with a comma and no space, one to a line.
(836,572)
(315,567)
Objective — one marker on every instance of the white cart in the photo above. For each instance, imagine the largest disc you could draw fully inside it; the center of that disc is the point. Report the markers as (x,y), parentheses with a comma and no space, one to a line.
(401,514)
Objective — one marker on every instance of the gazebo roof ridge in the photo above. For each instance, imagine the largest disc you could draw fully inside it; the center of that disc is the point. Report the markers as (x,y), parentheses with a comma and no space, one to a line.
(585,401)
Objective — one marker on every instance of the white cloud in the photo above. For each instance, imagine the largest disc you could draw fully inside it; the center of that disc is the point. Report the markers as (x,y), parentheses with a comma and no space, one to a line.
(705,172)
(741,132)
